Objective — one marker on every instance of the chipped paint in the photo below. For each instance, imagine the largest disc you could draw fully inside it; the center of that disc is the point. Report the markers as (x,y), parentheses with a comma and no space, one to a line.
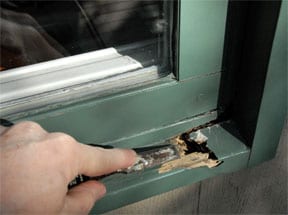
(200,138)
(193,151)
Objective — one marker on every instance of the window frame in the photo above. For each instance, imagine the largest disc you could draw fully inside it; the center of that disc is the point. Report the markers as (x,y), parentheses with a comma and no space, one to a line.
(192,101)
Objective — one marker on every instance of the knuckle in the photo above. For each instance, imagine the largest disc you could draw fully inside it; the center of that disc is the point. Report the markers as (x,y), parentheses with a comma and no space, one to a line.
(64,142)
(63,138)
(28,127)
(25,131)
(64,149)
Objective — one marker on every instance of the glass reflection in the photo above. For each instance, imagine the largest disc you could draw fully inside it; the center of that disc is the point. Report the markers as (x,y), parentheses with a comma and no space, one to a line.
(37,31)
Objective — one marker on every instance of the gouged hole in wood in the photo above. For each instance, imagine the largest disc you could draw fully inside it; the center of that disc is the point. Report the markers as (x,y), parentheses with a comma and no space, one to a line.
(193,151)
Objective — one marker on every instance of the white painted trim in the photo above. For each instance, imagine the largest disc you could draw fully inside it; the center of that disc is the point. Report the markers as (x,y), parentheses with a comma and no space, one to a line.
(69,79)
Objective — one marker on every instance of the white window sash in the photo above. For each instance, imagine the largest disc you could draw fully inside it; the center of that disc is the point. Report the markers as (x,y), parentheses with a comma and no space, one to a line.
(69,79)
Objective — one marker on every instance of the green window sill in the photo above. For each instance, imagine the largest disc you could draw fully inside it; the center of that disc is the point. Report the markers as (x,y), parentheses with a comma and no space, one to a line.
(126,189)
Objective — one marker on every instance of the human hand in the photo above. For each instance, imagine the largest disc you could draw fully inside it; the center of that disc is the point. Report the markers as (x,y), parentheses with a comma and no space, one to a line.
(36,167)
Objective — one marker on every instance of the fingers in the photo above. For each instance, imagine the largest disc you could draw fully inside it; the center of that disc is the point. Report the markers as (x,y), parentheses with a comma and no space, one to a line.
(81,198)
(95,161)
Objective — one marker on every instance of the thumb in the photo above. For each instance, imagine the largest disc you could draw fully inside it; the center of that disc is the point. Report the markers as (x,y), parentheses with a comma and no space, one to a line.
(80,199)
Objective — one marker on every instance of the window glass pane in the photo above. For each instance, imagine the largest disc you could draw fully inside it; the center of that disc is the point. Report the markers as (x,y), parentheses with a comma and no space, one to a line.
(62,52)
(37,31)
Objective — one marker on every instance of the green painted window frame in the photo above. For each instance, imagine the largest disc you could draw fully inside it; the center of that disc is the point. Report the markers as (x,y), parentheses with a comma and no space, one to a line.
(152,113)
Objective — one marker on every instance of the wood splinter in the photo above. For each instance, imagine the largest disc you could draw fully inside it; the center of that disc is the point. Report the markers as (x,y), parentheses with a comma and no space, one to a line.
(193,153)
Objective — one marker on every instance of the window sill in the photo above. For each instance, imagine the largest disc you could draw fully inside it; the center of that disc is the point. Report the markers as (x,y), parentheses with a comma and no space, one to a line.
(126,189)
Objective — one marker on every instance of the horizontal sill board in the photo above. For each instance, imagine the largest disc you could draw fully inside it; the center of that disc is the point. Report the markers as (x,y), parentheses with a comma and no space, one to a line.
(126,189)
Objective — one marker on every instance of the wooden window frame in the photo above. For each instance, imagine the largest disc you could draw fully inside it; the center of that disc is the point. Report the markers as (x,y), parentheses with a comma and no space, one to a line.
(134,118)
